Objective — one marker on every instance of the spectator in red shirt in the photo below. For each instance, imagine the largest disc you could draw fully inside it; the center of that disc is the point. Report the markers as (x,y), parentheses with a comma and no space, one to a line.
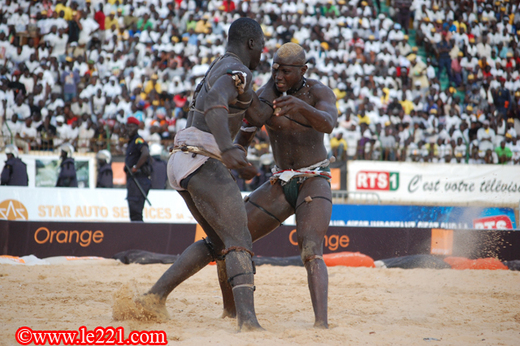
(356,41)
(229,6)
(99,17)
(486,73)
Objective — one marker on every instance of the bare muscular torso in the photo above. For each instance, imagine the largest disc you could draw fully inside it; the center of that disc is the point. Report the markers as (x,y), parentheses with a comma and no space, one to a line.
(295,144)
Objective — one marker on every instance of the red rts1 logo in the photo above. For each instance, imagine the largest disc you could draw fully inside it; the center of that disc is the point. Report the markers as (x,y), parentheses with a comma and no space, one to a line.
(381,181)
(493,222)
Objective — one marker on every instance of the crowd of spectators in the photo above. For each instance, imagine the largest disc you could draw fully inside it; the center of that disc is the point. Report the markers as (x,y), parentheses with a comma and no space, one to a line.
(73,71)
(395,106)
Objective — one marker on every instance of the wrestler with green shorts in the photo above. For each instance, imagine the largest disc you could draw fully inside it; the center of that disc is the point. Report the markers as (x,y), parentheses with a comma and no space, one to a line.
(299,112)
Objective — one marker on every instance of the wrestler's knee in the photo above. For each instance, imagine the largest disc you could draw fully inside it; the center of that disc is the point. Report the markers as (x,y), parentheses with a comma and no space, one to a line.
(310,257)
(311,249)
(240,239)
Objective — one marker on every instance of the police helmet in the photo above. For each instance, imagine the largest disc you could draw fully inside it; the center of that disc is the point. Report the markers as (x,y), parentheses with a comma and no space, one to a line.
(156,149)
(104,155)
(11,149)
(68,148)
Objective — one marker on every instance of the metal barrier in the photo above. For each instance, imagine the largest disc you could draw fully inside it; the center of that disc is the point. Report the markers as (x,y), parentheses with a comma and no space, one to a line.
(355,197)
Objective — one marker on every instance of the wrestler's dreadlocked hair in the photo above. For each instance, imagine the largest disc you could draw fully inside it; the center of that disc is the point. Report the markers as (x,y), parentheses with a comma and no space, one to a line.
(242,30)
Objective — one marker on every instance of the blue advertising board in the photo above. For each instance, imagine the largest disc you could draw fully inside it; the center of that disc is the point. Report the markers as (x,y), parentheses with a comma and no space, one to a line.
(422,217)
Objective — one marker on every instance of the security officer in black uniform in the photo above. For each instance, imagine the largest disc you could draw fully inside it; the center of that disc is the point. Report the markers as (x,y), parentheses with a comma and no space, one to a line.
(138,162)
(15,170)
(67,176)
(105,176)
(158,176)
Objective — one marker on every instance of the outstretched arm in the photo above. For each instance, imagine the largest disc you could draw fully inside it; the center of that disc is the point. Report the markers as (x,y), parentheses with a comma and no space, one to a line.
(322,116)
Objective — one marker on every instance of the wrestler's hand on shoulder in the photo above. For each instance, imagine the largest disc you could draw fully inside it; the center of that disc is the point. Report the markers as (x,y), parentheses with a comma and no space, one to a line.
(248,172)
(234,158)
(286,104)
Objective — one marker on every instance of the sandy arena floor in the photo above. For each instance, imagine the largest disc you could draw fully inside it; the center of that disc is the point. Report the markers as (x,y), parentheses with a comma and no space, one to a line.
(366,306)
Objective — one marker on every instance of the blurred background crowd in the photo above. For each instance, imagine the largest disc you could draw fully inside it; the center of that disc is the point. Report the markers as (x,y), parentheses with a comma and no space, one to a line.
(415,80)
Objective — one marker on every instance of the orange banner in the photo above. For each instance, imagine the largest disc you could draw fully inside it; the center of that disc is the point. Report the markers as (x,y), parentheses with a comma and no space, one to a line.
(118,168)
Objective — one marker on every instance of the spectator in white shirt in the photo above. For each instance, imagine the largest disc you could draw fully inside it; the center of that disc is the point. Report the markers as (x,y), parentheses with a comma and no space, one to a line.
(486,137)
(58,42)
(88,27)
(63,131)
(28,133)
(21,109)
(28,81)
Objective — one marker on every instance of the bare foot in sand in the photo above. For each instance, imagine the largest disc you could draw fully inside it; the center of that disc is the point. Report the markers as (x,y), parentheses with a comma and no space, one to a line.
(130,305)
(228,313)
(250,327)
(321,325)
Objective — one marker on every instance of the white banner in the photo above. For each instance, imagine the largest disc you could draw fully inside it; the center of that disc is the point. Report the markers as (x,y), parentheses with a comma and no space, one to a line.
(424,183)
(73,204)
(103,205)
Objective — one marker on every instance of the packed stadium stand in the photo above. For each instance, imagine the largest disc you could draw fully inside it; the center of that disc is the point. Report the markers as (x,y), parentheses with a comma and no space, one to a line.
(417,81)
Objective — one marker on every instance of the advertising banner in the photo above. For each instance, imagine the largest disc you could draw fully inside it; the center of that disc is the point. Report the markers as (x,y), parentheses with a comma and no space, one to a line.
(110,205)
(72,204)
(423,217)
(404,182)
(46,239)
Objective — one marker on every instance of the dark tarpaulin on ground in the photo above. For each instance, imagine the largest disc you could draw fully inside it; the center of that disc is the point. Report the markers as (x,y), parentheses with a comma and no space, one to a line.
(144,257)
(416,261)
(513,265)
(147,257)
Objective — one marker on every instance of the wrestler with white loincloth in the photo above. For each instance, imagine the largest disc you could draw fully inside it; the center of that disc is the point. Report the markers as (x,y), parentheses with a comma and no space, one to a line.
(199,170)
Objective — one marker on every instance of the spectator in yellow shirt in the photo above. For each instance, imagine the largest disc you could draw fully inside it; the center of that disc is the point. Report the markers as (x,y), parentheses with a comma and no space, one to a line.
(460,25)
(407,105)
(62,6)
(111,20)
(338,145)
(152,84)
(203,25)
(363,118)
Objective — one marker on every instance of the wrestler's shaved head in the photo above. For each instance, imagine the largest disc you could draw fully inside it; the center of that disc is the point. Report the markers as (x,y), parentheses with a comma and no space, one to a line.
(291,53)
(242,30)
